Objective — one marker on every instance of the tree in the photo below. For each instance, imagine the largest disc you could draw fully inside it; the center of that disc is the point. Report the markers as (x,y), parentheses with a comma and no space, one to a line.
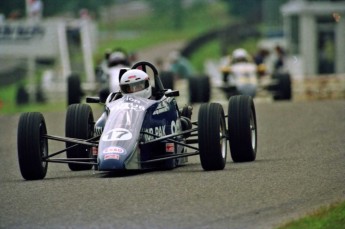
(173,8)
(245,9)
(54,7)
(8,7)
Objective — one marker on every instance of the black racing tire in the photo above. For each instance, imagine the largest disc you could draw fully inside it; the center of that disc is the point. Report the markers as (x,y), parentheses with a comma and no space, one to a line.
(284,90)
(199,89)
(167,79)
(212,136)
(205,89)
(193,90)
(103,94)
(74,91)
(242,128)
(80,125)
(32,146)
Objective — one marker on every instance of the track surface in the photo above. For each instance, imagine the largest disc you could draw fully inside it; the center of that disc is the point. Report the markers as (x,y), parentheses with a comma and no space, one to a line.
(300,165)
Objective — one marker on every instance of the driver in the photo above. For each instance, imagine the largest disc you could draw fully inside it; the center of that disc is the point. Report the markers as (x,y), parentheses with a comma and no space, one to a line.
(242,74)
(240,56)
(136,82)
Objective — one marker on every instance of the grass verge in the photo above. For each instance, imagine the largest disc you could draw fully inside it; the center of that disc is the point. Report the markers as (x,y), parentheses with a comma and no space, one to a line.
(329,217)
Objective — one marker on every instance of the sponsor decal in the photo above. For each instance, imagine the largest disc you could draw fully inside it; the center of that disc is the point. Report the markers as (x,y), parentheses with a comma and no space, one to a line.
(158,130)
(176,126)
(131,106)
(169,147)
(161,108)
(114,149)
(111,156)
(130,99)
(94,151)
(117,134)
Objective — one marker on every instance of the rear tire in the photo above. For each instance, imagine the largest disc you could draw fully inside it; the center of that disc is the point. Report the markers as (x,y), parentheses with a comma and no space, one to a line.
(32,146)
(199,89)
(74,91)
(80,125)
(242,128)
(284,86)
(206,89)
(103,94)
(167,79)
(212,136)
(193,90)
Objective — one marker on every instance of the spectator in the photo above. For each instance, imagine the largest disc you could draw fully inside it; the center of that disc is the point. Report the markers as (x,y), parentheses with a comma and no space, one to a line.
(180,66)
(279,62)
(260,59)
(34,10)
(260,56)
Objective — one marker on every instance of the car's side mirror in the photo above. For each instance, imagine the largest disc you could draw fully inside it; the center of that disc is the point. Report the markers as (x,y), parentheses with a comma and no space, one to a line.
(93,100)
(171,93)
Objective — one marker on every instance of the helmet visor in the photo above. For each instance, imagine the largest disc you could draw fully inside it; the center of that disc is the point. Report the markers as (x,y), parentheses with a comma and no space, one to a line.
(135,87)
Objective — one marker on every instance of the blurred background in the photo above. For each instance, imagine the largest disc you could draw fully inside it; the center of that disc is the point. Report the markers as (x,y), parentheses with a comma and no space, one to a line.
(44,42)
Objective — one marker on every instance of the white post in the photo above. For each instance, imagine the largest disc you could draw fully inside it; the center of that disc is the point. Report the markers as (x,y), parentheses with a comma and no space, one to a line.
(31,78)
(340,45)
(308,41)
(87,50)
(63,47)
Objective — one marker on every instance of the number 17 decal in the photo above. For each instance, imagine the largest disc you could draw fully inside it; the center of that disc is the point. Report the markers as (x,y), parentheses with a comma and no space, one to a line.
(117,134)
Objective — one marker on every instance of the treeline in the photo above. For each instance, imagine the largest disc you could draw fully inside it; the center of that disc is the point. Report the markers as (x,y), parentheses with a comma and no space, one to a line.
(53,7)
(238,8)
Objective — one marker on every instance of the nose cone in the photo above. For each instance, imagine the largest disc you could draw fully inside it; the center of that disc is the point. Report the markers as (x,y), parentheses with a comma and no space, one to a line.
(110,163)
(112,158)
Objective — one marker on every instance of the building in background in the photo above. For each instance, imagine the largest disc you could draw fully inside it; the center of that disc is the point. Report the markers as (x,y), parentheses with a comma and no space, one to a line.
(315,35)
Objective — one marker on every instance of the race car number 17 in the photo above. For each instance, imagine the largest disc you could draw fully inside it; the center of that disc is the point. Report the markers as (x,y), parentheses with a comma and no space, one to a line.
(117,134)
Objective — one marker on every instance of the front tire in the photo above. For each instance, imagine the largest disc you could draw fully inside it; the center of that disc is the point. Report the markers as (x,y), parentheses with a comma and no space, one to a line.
(80,125)
(32,146)
(212,136)
(242,128)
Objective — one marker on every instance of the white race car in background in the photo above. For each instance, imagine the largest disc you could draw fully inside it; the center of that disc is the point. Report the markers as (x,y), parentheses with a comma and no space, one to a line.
(246,78)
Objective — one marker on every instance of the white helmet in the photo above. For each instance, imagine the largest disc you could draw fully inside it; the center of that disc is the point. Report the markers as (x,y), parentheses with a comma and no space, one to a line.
(240,54)
(117,58)
(136,82)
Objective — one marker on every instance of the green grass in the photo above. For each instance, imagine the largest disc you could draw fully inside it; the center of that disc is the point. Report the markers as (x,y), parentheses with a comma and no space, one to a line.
(7,98)
(209,51)
(41,107)
(329,217)
(8,103)
(154,29)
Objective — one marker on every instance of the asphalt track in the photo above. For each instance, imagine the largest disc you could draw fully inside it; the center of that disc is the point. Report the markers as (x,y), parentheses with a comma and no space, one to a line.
(300,166)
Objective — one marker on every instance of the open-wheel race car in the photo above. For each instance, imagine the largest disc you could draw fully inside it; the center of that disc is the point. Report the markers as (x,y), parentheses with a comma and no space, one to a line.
(241,75)
(141,134)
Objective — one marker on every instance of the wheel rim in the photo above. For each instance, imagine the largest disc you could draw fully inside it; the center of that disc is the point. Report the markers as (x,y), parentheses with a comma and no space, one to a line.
(253,130)
(223,139)
(43,145)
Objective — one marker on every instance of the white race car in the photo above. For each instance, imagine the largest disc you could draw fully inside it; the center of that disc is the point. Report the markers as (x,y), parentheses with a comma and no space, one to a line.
(242,76)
